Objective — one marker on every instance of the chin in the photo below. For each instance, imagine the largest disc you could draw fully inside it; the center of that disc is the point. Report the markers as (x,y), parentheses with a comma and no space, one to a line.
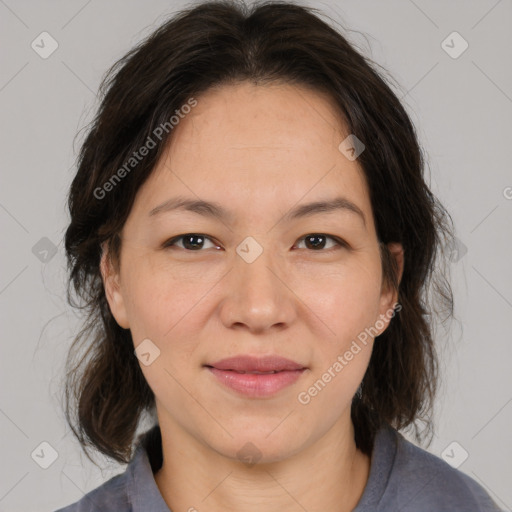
(258,447)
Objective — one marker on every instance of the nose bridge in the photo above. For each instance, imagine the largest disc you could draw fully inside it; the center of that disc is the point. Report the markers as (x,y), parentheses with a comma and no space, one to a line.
(257,297)
(256,266)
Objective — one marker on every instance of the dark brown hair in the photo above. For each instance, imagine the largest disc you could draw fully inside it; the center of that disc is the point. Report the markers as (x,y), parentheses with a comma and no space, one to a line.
(224,42)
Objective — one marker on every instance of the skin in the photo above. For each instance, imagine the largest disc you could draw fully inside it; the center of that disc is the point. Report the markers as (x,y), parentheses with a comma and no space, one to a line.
(258,151)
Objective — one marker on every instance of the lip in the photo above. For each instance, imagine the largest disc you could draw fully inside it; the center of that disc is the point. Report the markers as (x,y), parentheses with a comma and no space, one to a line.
(247,363)
(256,385)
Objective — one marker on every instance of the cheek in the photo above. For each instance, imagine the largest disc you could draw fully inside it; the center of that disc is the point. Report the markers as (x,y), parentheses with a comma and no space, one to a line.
(348,303)
(347,300)
(162,310)
(157,298)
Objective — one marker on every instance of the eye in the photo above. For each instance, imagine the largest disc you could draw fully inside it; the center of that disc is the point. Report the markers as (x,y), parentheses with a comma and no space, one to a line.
(191,242)
(317,241)
(196,241)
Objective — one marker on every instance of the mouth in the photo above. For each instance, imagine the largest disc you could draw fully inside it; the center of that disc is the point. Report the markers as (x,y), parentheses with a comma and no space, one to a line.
(250,372)
(257,365)
(256,377)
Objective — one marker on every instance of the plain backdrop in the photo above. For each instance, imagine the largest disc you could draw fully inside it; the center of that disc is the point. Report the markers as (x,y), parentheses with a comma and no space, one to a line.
(461,104)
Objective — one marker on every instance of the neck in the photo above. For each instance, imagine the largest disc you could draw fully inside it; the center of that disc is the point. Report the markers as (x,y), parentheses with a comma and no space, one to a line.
(330,474)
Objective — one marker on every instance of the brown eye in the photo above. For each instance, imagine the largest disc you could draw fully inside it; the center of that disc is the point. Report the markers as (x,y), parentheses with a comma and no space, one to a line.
(190,242)
(318,241)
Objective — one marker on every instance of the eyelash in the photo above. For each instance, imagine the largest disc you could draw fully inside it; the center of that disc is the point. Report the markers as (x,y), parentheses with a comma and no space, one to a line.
(340,242)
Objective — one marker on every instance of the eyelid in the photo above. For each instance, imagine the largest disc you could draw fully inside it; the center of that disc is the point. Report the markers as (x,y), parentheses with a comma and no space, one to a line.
(339,241)
(171,241)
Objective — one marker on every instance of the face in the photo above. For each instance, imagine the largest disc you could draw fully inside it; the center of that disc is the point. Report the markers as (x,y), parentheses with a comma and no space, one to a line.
(264,279)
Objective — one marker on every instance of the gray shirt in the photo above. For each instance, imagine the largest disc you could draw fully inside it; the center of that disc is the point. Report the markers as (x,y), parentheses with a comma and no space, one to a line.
(403,478)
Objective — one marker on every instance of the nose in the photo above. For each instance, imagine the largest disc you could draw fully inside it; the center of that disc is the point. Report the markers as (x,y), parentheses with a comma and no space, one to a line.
(257,297)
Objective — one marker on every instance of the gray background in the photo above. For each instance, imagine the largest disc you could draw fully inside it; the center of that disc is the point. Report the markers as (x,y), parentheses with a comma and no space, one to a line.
(462,109)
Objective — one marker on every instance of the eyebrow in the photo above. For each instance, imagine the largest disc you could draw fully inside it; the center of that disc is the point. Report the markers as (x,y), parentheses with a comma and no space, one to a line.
(215,210)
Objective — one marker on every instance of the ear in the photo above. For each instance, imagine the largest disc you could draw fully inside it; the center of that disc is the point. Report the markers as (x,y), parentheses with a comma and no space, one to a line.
(113,292)
(389,296)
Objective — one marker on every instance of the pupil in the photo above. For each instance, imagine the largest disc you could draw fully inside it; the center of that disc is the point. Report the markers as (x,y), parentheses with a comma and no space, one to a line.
(193,245)
(198,240)
(309,240)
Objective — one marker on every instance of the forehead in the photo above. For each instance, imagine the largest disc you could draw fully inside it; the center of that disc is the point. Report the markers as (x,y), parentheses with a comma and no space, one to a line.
(260,117)
(253,147)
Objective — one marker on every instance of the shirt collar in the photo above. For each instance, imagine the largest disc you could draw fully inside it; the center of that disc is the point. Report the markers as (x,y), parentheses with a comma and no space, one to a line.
(382,460)
(145,495)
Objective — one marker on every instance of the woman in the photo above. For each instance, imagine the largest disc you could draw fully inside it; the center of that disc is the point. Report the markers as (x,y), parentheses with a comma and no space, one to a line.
(253,239)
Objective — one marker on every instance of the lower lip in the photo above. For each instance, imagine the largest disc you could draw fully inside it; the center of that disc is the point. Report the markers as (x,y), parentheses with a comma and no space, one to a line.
(257,385)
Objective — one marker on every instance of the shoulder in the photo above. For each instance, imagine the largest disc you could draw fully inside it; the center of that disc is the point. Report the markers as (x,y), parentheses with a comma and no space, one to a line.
(135,489)
(421,481)
(111,495)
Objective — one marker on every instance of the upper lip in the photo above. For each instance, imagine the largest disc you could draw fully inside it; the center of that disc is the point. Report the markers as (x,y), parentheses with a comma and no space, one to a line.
(247,363)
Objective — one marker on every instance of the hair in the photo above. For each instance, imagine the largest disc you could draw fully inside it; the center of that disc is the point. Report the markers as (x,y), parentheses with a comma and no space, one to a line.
(210,45)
